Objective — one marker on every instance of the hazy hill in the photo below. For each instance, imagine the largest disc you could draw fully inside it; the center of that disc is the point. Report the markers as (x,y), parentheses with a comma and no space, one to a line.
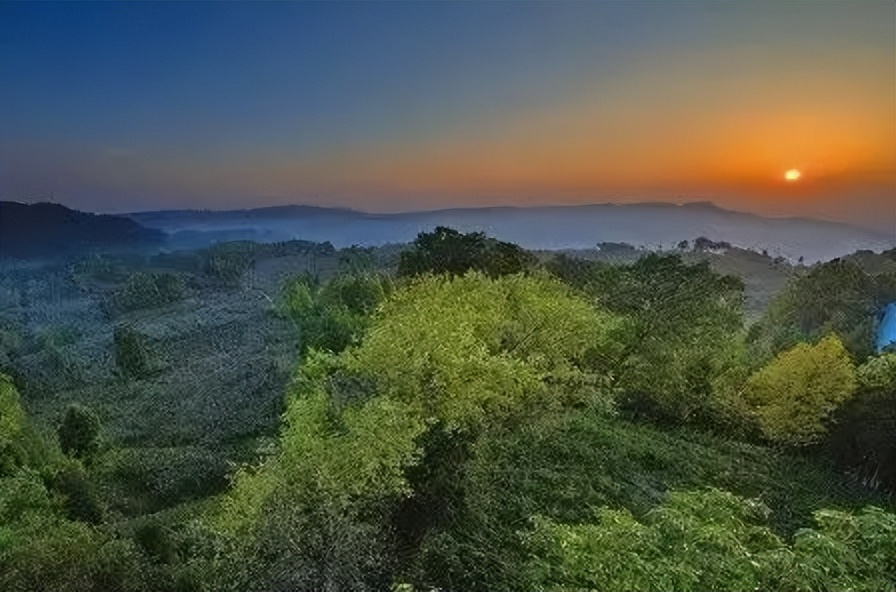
(650,225)
(30,230)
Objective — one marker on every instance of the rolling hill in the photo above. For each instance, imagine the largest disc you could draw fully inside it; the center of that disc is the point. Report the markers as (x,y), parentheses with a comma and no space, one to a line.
(651,225)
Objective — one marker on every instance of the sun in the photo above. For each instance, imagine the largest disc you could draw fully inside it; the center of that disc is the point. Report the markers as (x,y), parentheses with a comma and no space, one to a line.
(792,175)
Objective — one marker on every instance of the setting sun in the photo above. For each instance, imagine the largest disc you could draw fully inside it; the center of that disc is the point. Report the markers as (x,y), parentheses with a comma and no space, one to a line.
(792,175)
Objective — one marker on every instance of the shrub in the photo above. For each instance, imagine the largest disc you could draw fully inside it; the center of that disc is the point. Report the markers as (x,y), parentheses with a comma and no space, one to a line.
(81,502)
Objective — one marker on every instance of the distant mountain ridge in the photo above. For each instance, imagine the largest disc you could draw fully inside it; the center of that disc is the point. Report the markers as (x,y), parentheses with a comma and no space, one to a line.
(48,229)
(540,227)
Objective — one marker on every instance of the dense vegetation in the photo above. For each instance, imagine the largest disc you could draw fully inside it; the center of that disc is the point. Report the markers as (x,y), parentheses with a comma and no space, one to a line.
(477,420)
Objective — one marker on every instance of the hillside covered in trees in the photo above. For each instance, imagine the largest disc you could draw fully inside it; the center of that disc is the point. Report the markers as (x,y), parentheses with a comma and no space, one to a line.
(458,414)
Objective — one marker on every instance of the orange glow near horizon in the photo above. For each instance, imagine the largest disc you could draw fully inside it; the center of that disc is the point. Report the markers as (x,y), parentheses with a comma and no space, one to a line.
(800,124)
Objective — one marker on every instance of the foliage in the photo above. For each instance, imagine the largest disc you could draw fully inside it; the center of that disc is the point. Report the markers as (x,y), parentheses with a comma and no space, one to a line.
(229,261)
(472,348)
(429,421)
(68,557)
(684,355)
(131,354)
(148,290)
(561,465)
(334,315)
(442,356)
(713,540)
(12,416)
(312,514)
(45,505)
(835,297)
(20,445)
(861,439)
(796,392)
(79,432)
(81,502)
(878,374)
(445,250)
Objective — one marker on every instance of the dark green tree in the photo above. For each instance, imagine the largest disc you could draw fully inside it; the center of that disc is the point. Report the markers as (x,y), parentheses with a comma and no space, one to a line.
(684,353)
(445,250)
(839,296)
(79,432)
(81,502)
(861,439)
(332,316)
(131,354)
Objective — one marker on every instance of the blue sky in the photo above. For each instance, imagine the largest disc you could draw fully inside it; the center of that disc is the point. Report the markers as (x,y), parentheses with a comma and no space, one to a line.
(406,105)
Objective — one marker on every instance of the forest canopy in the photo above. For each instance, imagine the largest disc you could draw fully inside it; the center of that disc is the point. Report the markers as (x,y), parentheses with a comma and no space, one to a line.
(471,416)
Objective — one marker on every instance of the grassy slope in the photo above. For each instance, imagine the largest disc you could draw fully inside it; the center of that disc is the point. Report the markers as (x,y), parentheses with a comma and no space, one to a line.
(577,463)
(221,359)
(565,466)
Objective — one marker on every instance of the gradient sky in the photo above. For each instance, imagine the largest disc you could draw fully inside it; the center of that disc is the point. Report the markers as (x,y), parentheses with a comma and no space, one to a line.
(410,105)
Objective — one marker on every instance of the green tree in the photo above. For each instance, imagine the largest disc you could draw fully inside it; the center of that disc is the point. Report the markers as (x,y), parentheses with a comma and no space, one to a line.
(713,540)
(838,296)
(796,392)
(20,444)
(81,501)
(442,358)
(79,432)
(445,250)
(131,355)
(12,416)
(334,315)
(861,440)
(685,355)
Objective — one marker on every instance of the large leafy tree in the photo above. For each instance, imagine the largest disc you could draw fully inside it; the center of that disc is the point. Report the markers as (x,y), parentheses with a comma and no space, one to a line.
(684,356)
(839,296)
(862,439)
(799,390)
(445,250)
(443,358)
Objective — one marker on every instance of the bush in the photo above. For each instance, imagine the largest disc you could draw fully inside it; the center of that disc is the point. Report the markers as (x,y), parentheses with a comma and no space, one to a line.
(81,502)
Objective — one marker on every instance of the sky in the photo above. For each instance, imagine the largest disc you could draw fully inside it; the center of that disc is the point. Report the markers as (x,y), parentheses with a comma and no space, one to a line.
(126,106)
